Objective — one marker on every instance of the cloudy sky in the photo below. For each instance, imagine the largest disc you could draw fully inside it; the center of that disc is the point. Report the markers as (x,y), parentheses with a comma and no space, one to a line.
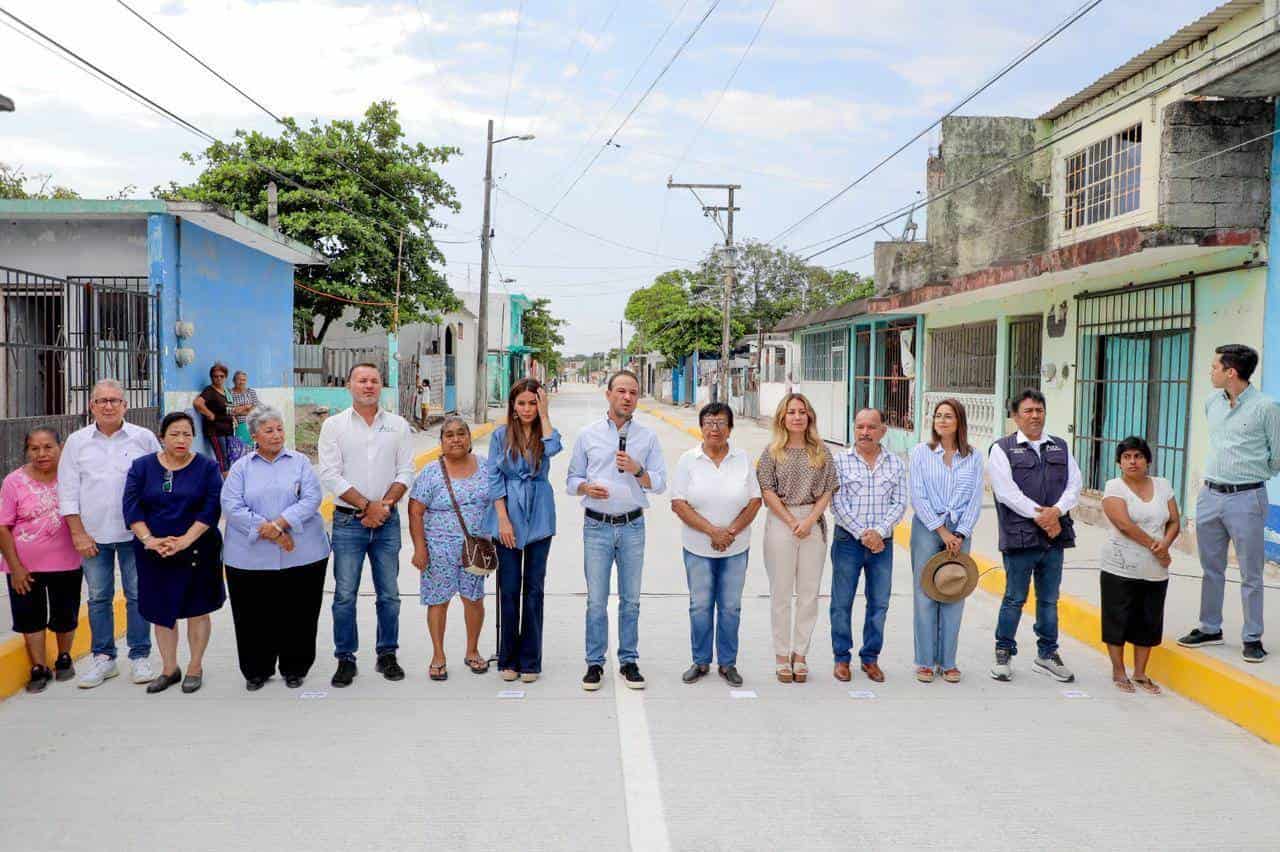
(828,88)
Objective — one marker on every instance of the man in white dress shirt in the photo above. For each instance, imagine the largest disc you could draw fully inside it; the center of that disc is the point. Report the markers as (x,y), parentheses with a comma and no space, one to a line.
(91,473)
(615,462)
(366,462)
(1036,483)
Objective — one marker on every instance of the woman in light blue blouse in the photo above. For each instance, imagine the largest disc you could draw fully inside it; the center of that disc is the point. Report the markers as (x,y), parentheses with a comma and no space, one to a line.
(946,496)
(523,523)
(276,552)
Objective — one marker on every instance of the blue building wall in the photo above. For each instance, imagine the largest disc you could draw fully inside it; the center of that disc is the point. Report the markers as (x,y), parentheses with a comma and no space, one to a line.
(1271,348)
(241,302)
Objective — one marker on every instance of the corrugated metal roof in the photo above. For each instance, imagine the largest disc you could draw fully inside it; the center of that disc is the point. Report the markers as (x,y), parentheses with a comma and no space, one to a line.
(856,308)
(1183,37)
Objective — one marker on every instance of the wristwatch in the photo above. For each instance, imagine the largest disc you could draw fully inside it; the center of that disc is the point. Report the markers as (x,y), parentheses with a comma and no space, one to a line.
(639,473)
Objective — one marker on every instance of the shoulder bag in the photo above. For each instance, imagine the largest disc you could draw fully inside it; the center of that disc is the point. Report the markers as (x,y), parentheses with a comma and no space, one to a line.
(479,556)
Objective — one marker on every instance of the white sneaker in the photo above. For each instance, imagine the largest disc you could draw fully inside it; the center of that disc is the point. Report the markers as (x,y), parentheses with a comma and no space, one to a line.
(144,671)
(102,668)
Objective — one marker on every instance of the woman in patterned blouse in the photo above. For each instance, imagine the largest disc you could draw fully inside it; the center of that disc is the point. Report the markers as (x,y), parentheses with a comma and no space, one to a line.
(797,480)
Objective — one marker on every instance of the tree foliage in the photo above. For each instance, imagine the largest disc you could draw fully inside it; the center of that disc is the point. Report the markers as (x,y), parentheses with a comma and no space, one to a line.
(388,188)
(13,184)
(542,332)
(681,311)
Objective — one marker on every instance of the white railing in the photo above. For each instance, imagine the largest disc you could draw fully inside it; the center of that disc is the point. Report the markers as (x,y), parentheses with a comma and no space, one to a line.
(979,408)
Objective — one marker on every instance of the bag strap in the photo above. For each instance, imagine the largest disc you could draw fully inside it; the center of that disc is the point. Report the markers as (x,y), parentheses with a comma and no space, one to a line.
(444,473)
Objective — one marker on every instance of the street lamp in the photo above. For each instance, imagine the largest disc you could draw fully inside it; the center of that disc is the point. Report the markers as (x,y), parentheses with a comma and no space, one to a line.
(482,334)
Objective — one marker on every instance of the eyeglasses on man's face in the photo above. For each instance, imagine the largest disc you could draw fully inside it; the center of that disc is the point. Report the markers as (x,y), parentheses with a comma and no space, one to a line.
(108,400)
(714,425)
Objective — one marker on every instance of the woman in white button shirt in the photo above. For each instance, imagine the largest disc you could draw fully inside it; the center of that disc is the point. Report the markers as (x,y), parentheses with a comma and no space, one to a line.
(1135,562)
(715,492)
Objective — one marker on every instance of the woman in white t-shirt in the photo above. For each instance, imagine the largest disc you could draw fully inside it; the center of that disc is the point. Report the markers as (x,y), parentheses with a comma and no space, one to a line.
(715,493)
(1135,562)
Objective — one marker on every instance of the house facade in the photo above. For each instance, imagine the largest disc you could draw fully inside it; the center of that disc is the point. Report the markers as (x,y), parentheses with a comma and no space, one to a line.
(149,292)
(1098,253)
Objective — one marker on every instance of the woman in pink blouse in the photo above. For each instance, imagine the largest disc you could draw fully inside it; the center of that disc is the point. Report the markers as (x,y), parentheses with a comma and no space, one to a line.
(42,565)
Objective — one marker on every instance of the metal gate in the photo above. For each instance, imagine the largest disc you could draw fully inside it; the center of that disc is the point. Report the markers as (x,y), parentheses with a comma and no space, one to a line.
(408,389)
(1133,377)
(59,337)
(1025,335)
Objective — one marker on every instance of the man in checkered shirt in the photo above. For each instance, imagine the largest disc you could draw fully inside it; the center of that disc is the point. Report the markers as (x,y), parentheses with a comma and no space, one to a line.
(870,501)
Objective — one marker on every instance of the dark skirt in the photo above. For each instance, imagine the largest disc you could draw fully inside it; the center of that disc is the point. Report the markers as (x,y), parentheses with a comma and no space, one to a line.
(184,585)
(1132,610)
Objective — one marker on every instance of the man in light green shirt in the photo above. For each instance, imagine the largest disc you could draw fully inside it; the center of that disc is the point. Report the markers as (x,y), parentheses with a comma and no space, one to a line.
(1244,452)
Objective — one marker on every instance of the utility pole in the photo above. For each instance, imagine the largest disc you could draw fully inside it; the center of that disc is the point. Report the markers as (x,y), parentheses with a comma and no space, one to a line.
(481,413)
(729,259)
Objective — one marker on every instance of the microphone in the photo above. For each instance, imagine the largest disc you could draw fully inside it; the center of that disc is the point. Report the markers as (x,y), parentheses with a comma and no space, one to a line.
(622,441)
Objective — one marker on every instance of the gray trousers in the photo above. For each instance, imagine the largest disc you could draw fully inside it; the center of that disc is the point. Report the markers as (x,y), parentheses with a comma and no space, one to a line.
(1238,519)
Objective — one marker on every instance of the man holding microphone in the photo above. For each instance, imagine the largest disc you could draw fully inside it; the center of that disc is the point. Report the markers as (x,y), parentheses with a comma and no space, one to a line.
(615,462)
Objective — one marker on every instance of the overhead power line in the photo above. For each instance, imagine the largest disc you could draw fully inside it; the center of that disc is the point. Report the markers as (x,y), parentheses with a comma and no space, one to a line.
(653,85)
(511,71)
(1012,64)
(1095,116)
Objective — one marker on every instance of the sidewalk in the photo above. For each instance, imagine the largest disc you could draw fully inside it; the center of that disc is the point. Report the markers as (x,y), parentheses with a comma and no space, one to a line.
(1216,677)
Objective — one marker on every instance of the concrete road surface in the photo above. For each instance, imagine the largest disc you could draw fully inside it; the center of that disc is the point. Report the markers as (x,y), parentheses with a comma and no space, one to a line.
(414,765)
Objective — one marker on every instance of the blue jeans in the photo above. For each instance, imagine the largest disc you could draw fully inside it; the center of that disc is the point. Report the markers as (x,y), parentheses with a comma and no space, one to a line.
(603,545)
(849,559)
(1020,566)
(715,605)
(521,577)
(351,542)
(100,577)
(937,625)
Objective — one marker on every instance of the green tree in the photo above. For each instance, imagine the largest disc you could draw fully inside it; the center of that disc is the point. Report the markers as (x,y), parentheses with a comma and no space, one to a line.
(13,184)
(668,319)
(390,187)
(542,332)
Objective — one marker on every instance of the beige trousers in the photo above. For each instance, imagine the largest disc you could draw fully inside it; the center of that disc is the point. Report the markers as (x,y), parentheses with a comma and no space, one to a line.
(794,566)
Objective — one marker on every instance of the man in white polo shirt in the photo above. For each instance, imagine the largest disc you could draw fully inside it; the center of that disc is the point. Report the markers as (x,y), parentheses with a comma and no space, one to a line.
(91,474)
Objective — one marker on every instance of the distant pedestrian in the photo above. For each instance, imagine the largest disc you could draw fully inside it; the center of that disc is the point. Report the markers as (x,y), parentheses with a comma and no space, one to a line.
(39,561)
(214,406)
(366,462)
(523,523)
(276,554)
(422,402)
(616,463)
(870,501)
(171,502)
(244,399)
(715,493)
(797,479)
(1036,483)
(1244,452)
(458,484)
(1135,562)
(946,498)
(91,474)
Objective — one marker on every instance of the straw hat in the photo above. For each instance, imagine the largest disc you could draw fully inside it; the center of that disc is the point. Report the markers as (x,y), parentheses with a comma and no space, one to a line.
(948,577)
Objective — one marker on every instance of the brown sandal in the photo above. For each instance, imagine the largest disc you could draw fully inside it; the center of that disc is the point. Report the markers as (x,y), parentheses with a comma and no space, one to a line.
(438,672)
(784,672)
(801,670)
(477,665)
(1148,685)
(1123,685)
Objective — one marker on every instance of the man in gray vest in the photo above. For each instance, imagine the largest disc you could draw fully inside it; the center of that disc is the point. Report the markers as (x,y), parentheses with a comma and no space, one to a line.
(1036,483)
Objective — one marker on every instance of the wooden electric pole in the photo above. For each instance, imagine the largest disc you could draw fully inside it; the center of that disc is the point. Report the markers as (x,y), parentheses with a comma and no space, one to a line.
(728,258)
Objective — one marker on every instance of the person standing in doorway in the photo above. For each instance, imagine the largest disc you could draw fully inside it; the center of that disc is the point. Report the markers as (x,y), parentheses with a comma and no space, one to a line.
(1244,452)
(214,406)
(1036,483)
(91,473)
(244,400)
(366,461)
(616,463)
(872,497)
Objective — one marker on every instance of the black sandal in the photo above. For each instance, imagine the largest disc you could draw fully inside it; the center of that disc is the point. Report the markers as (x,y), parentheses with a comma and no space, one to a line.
(477,665)
(438,672)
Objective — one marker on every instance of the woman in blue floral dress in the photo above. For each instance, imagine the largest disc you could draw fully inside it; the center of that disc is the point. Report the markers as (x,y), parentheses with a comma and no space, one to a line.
(437,541)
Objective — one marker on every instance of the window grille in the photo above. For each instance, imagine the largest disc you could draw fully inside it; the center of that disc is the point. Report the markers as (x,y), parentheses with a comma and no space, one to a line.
(1024,354)
(895,386)
(1103,180)
(962,358)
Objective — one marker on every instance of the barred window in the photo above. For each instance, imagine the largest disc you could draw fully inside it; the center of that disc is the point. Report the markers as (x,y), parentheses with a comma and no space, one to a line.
(1103,180)
(962,358)
(895,385)
(818,361)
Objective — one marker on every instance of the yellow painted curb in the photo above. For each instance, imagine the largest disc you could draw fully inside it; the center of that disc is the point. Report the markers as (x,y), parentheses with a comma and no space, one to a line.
(15,668)
(1250,702)
(419,462)
(671,421)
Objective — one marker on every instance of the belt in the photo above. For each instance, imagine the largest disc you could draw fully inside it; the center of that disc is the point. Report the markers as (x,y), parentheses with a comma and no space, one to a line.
(346,510)
(1223,488)
(614,519)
